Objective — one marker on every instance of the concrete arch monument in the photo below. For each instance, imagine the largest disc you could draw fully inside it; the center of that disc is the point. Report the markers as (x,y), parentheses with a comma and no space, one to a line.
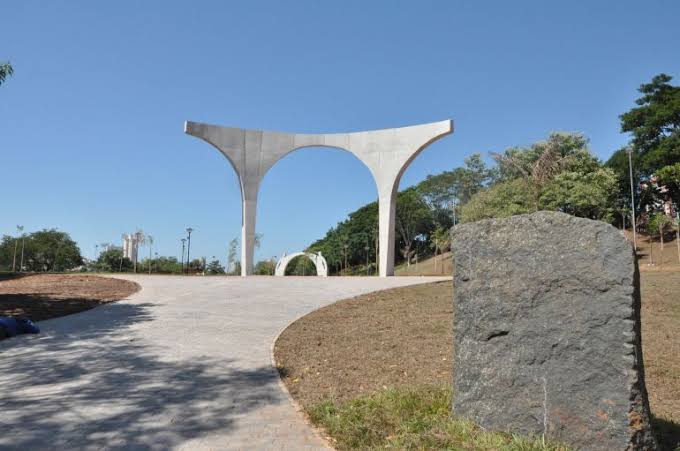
(387,153)
(318,260)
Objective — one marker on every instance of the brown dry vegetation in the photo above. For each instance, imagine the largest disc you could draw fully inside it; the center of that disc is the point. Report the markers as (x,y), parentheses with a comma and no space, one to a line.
(46,296)
(403,337)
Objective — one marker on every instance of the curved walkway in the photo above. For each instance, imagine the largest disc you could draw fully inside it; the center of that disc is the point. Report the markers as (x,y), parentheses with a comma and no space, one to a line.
(182,364)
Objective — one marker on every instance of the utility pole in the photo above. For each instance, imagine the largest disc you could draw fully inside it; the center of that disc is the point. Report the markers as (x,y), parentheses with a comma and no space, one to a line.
(183,240)
(629,151)
(189,230)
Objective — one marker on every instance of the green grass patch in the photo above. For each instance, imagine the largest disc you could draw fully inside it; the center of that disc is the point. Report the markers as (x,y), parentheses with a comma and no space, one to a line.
(411,419)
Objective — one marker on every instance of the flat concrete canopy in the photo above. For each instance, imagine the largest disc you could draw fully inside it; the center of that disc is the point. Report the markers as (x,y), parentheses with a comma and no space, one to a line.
(183,364)
(386,153)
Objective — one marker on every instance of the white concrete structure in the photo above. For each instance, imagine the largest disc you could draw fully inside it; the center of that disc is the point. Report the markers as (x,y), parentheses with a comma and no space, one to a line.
(387,153)
(318,260)
(183,364)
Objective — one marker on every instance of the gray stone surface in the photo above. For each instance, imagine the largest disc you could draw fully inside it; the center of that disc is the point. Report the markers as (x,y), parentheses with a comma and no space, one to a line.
(386,153)
(547,331)
(183,364)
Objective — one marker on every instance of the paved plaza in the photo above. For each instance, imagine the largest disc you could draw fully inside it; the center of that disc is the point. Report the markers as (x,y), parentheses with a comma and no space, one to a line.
(183,364)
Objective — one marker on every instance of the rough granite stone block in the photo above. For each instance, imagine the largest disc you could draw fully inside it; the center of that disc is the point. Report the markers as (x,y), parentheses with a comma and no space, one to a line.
(547,331)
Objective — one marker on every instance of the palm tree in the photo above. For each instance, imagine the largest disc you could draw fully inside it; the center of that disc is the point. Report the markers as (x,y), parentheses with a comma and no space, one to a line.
(538,173)
(5,71)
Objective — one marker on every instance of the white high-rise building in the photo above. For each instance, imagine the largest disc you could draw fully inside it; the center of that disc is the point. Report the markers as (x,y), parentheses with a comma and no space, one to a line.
(130,246)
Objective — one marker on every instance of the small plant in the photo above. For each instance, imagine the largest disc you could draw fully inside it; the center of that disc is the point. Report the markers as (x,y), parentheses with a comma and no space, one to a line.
(658,224)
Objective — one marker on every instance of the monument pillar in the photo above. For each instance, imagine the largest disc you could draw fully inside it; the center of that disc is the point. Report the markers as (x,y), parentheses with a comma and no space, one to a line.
(387,207)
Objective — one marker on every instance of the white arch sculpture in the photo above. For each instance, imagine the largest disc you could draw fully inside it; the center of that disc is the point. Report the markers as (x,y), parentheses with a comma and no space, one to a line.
(387,153)
(318,260)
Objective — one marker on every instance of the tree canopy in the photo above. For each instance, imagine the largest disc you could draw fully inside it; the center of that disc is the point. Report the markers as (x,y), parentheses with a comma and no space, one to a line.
(45,250)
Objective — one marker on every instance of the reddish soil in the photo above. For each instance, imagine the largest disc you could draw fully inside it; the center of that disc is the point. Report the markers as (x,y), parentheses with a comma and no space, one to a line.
(45,296)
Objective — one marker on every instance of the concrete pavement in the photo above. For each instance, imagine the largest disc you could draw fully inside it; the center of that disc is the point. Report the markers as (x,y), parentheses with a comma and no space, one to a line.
(183,364)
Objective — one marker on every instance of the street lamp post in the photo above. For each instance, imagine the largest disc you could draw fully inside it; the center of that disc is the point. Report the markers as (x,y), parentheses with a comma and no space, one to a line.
(183,240)
(189,230)
(629,151)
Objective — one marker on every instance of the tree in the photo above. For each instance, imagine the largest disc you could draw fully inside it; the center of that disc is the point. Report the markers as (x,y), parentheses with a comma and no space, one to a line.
(657,226)
(45,250)
(655,124)
(669,178)
(231,255)
(265,267)
(112,260)
(454,187)
(440,240)
(584,194)
(215,267)
(501,200)
(413,218)
(540,163)
(6,70)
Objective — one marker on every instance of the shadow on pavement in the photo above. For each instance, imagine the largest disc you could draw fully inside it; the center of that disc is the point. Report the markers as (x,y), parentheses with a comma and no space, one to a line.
(86,383)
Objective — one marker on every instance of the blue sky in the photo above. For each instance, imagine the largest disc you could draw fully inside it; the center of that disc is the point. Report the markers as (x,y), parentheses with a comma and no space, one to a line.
(91,137)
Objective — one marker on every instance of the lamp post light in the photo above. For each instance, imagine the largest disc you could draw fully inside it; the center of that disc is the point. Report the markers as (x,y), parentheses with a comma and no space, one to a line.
(629,151)
(183,240)
(189,230)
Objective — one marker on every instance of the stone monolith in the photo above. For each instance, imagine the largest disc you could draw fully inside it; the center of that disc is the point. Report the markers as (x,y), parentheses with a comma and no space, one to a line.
(547,331)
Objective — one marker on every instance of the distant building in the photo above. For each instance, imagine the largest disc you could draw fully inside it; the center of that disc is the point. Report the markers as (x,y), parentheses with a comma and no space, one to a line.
(130,246)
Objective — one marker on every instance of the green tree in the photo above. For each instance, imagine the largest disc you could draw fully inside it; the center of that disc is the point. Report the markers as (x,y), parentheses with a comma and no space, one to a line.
(501,200)
(301,266)
(45,250)
(6,70)
(586,194)
(265,268)
(655,124)
(455,187)
(440,241)
(112,260)
(413,218)
(657,226)
(540,163)
(669,177)
(215,267)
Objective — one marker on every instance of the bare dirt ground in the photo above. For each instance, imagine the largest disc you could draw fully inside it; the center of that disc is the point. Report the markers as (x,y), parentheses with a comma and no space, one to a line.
(45,296)
(404,336)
